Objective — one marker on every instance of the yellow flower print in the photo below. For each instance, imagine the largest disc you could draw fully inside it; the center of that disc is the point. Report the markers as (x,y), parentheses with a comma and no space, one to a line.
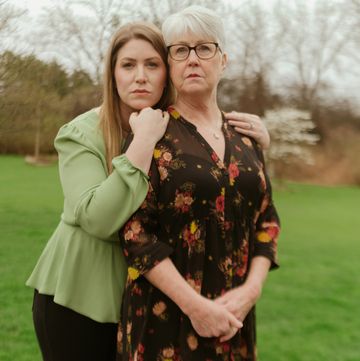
(269,233)
(193,227)
(157,153)
(263,237)
(133,273)
(174,112)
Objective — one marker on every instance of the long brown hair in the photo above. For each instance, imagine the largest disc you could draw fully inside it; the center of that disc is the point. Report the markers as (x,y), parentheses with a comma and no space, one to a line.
(110,118)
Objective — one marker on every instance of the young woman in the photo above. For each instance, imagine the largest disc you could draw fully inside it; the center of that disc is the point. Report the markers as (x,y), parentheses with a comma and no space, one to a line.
(79,278)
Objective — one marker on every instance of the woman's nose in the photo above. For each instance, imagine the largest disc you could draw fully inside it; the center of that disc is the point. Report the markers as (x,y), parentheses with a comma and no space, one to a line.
(193,58)
(140,75)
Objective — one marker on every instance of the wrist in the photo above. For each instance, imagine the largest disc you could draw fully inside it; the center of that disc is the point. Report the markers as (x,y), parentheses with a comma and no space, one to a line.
(144,140)
(254,290)
(192,306)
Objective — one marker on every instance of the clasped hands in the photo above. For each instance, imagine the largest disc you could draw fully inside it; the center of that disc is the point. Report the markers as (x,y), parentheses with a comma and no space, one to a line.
(224,316)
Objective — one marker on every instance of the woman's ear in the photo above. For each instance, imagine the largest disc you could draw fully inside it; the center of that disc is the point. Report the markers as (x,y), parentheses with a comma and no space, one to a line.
(224,60)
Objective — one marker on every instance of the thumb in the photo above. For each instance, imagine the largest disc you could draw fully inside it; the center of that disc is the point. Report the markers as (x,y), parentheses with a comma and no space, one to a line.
(234,321)
(166,116)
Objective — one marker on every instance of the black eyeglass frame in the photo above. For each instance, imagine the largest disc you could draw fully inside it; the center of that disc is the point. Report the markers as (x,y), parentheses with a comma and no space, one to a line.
(194,48)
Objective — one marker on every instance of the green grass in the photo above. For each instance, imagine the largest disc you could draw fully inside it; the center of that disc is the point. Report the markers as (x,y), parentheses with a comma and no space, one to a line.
(309,309)
(30,206)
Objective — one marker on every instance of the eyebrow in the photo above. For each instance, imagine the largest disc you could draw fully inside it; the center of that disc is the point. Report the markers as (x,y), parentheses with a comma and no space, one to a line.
(147,59)
(182,42)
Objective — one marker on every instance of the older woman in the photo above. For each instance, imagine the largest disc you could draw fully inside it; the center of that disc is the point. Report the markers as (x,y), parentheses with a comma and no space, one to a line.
(200,247)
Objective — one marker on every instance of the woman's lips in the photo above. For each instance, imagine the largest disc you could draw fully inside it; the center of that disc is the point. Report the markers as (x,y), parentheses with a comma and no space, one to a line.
(141,91)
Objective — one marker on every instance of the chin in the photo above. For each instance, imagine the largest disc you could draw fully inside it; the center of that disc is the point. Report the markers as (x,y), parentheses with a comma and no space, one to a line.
(141,105)
(194,90)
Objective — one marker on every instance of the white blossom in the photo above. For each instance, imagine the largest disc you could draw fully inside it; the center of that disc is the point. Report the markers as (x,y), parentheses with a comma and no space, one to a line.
(292,132)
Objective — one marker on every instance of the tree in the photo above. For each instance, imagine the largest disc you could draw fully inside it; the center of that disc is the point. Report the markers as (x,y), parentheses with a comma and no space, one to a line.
(31,100)
(292,132)
(78,32)
(8,14)
(150,10)
(317,42)
(255,48)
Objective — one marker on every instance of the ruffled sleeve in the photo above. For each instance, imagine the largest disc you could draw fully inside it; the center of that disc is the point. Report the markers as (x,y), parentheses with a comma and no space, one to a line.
(97,202)
(267,226)
(141,238)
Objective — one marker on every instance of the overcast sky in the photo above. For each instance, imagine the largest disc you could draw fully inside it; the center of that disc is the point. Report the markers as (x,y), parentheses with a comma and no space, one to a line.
(346,84)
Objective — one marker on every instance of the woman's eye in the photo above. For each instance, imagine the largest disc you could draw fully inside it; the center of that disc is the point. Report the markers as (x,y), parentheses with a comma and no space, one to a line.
(127,65)
(203,48)
(152,65)
(181,50)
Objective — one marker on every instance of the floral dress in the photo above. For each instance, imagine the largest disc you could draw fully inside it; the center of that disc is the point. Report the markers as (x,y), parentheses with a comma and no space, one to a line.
(211,217)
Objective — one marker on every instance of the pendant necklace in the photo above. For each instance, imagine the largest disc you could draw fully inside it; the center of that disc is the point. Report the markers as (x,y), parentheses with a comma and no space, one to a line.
(216,136)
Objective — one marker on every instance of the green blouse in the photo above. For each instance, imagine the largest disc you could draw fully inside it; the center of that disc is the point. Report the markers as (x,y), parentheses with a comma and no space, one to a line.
(82,265)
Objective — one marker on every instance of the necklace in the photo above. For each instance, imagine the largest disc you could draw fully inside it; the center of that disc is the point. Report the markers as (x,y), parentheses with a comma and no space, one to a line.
(216,136)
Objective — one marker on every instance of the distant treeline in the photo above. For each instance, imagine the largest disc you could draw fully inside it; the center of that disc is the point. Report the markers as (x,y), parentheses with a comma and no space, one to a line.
(36,98)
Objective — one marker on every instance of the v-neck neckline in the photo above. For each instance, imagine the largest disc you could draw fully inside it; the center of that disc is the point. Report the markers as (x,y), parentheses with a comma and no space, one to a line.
(222,164)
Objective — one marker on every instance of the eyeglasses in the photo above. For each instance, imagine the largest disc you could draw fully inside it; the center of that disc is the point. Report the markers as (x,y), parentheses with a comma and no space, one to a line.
(203,51)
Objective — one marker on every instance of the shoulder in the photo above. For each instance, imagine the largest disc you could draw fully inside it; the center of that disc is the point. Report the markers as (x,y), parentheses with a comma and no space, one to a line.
(87,122)
(83,129)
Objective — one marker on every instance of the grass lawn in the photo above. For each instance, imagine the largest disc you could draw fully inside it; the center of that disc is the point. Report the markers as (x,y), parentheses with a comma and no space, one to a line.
(309,310)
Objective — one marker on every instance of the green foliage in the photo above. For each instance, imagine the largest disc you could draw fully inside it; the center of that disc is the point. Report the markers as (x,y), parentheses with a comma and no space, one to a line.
(309,307)
(35,99)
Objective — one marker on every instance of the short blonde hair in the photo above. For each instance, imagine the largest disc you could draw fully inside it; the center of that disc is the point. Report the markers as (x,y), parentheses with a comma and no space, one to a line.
(197,20)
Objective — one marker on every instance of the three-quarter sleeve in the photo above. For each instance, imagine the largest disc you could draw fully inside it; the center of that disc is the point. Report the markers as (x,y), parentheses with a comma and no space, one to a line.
(267,226)
(97,202)
(141,238)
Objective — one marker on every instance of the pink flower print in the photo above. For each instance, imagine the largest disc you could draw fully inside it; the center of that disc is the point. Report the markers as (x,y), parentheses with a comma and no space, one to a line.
(262,179)
(159,308)
(183,201)
(168,353)
(269,232)
(163,173)
(194,284)
(132,230)
(192,342)
(167,156)
(220,203)
(246,141)
(233,172)
(214,157)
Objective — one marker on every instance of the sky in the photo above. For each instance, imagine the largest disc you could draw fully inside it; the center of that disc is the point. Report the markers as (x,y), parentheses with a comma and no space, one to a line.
(346,85)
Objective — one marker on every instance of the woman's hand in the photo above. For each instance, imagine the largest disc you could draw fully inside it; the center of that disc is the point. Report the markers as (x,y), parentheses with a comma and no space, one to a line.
(149,124)
(211,319)
(240,300)
(251,125)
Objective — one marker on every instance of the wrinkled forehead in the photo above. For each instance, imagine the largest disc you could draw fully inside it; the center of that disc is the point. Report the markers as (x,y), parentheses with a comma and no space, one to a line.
(189,32)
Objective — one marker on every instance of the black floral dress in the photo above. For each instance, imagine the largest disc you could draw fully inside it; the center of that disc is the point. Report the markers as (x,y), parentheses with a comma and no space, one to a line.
(211,217)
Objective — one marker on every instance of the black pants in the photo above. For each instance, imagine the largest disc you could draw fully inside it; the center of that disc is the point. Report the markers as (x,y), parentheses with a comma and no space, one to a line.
(65,335)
